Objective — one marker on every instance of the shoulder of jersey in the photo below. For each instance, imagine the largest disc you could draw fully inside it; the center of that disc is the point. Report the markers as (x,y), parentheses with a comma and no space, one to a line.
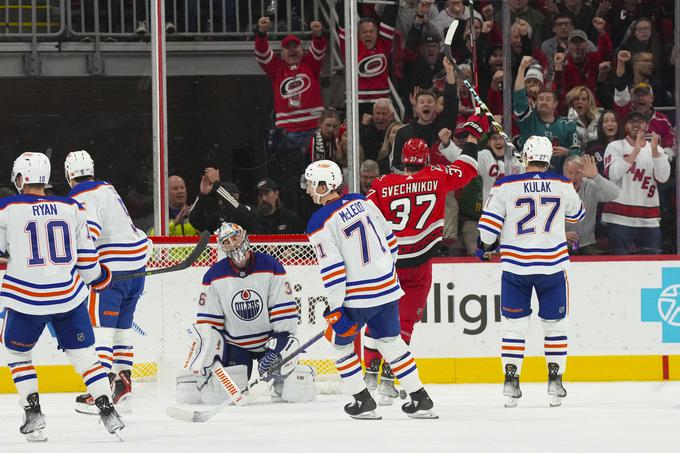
(529,176)
(319,218)
(31,199)
(86,186)
(262,264)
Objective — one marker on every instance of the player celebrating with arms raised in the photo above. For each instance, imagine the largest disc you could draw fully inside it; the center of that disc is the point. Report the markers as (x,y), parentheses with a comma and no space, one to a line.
(524,219)
(51,260)
(357,252)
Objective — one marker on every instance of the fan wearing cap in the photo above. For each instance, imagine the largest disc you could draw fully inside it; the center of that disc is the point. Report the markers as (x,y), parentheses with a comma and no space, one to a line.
(580,67)
(274,217)
(636,166)
(218,202)
(562,26)
(422,63)
(294,76)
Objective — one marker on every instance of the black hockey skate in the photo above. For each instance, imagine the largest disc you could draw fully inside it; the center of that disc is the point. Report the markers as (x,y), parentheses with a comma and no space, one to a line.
(386,388)
(420,405)
(556,390)
(109,416)
(371,376)
(34,420)
(121,390)
(85,402)
(363,407)
(511,389)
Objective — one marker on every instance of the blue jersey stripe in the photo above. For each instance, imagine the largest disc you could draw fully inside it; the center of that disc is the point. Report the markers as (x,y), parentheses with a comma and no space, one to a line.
(495,216)
(208,315)
(371,296)
(373,280)
(122,245)
(332,266)
(534,263)
(36,285)
(334,282)
(277,319)
(285,304)
(489,229)
(46,301)
(522,249)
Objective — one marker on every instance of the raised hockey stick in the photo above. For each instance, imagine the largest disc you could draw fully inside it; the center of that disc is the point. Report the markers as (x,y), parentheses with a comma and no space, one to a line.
(187,262)
(448,42)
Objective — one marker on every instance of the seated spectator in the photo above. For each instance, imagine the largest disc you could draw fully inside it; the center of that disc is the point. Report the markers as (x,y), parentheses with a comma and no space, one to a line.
(368,172)
(323,144)
(635,165)
(427,123)
(519,9)
(562,26)
(178,208)
(219,202)
(542,120)
(386,147)
(583,112)
(593,189)
(374,126)
(580,67)
(274,217)
(609,128)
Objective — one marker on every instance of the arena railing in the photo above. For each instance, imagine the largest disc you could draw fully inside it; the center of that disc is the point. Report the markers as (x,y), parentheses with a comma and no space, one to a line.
(31,19)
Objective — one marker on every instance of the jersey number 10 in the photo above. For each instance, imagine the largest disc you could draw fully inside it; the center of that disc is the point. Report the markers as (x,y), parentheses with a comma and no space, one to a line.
(58,243)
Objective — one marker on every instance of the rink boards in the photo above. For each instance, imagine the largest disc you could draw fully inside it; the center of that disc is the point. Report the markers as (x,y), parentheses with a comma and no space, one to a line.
(624,324)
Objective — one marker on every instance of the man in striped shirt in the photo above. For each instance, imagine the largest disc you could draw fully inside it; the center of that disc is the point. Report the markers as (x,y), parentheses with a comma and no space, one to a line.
(523,219)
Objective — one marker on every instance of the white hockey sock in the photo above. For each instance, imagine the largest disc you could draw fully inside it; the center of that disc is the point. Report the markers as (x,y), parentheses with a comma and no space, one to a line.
(513,341)
(402,363)
(555,345)
(23,374)
(123,352)
(104,346)
(95,375)
(349,368)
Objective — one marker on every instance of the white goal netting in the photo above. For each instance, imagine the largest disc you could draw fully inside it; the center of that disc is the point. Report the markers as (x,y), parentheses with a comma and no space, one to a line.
(170,301)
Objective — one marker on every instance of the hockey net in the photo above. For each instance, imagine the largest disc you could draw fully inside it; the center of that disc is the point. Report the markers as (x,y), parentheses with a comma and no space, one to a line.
(168,306)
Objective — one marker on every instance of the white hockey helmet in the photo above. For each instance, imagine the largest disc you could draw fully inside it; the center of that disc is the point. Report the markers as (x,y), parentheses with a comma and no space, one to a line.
(78,164)
(34,168)
(537,149)
(322,171)
(234,241)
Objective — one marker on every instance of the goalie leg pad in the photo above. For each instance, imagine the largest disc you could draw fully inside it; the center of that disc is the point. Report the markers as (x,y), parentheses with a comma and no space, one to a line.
(290,366)
(186,388)
(209,346)
(214,393)
(513,341)
(555,344)
(298,387)
(402,363)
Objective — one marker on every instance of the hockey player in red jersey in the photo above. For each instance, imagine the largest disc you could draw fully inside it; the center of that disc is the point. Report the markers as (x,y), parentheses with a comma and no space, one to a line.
(295,77)
(413,203)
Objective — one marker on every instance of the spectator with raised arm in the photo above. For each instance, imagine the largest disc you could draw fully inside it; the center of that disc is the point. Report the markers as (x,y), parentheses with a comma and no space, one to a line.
(454,9)
(519,9)
(562,26)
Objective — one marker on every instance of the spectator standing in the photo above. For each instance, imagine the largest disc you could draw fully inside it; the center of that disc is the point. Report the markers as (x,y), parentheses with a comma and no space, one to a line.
(178,209)
(386,147)
(422,62)
(454,9)
(368,172)
(635,166)
(583,112)
(593,189)
(620,18)
(519,9)
(580,14)
(609,128)
(562,26)
(414,10)
(374,126)
(323,144)
(274,217)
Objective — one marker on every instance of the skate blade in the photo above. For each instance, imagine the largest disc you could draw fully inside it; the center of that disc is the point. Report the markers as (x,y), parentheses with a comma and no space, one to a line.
(511,401)
(554,400)
(38,435)
(424,415)
(367,416)
(87,409)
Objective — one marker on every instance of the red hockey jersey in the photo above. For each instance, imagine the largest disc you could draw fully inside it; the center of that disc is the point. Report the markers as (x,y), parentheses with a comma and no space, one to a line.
(297,91)
(414,205)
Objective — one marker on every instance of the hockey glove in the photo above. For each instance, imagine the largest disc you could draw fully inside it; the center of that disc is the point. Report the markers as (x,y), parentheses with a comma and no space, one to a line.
(102,282)
(339,322)
(267,361)
(485,251)
(477,124)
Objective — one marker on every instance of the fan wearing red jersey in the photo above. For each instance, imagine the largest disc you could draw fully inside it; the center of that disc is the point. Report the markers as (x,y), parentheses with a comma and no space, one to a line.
(413,203)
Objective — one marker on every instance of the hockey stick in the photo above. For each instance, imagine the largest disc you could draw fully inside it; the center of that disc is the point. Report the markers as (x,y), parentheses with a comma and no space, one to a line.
(187,262)
(489,114)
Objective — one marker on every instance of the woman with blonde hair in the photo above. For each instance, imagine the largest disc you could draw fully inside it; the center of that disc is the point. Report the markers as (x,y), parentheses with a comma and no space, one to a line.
(584,112)
(386,148)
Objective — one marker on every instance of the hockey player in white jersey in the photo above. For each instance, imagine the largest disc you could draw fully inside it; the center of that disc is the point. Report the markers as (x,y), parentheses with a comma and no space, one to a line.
(51,261)
(523,219)
(357,252)
(245,312)
(124,249)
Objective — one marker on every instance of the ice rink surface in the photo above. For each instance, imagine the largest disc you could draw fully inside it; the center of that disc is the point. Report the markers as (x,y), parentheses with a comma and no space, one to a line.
(595,417)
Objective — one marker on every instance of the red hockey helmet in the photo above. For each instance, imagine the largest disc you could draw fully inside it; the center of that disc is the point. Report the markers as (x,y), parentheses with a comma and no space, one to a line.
(415,152)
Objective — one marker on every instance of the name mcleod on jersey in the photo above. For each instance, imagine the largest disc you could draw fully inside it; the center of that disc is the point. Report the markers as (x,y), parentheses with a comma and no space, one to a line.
(247,304)
(350,211)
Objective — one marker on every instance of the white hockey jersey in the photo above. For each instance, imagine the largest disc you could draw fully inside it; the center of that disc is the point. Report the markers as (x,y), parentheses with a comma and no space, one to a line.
(357,252)
(638,202)
(51,254)
(121,245)
(529,211)
(248,305)
(492,169)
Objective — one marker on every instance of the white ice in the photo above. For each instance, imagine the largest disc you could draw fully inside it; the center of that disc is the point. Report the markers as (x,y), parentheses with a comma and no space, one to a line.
(595,417)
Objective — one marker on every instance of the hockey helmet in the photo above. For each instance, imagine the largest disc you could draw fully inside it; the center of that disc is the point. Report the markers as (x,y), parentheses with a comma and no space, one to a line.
(78,164)
(34,168)
(537,149)
(322,171)
(234,241)
(415,152)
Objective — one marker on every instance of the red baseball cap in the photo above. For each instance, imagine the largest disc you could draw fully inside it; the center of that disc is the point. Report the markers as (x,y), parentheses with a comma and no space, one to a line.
(290,39)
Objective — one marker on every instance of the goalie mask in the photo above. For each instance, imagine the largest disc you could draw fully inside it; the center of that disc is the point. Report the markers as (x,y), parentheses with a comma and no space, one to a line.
(234,241)
(77,165)
(321,171)
(34,168)
(537,149)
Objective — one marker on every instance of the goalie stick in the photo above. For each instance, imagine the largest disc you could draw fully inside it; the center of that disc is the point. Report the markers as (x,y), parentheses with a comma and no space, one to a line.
(187,262)
(255,389)
(448,42)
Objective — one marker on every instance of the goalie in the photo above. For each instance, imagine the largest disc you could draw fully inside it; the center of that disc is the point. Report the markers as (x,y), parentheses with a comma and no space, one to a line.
(245,312)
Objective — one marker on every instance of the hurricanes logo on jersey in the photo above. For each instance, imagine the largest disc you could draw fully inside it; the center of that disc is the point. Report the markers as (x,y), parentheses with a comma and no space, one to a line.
(295,85)
(247,304)
(372,66)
